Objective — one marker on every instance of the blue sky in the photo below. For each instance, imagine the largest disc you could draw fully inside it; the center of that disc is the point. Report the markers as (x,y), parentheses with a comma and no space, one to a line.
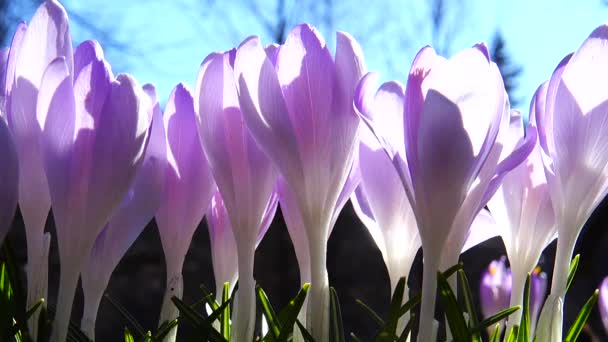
(163,42)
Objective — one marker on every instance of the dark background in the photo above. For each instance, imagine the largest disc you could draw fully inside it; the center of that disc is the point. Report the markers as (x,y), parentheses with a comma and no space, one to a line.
(354,265)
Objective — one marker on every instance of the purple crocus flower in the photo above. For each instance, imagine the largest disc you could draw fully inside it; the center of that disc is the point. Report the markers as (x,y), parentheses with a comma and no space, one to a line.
(496,291)
(522,208)
(3,66)
(9,176)
(244,175)
(602,303)
(31,51)
(188,188)
(128,221)
(297,104)
(572,112)
(495,288)
(93,142)
(448,161)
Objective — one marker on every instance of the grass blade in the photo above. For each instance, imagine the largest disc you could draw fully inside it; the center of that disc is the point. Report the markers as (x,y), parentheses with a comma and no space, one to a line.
(336,329)
(581,318)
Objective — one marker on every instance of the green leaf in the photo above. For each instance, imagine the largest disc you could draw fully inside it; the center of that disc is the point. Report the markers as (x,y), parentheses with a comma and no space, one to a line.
(139,330)
(572,271)
(408,329)
(582,317)
(289,314)
(202,325)
(164,329)
(450,271)
(524,325)
(209,297)
(128,336)
(513,334)
(274,325)
(7,303)
(371,313)
(410,304)
(468,298)
(34,308)
(454,315)
(495,337)
(496,318)
(307,336)
(336,330)
(393,311)
(225,316)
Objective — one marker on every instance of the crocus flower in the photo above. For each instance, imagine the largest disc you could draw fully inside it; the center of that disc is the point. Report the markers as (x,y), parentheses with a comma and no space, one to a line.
(93,142)
(380,201)
(496,290)
(602,303)
(188,188)
(572,117)
(244,175)
(9,176)
(128,221)
(3,66)
(298,107)
(449,166)
(522,208)
(31,51)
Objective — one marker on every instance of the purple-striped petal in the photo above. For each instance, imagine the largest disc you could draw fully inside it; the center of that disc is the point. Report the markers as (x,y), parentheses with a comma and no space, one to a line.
(188,182)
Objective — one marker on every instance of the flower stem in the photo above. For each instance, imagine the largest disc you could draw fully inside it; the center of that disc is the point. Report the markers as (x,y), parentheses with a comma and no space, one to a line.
(67,288)
(243,322)
(429,291)
(169,312)
(318,302)
(89,315)
(37,276)
(517,297)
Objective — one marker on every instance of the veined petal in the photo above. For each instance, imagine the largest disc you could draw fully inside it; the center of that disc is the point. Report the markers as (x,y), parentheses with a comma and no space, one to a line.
(137,207)
(264,109)
(223,245)
(57,99)
(483,228)
(307,74)
(11,62)
(414,98)
(85,53)
(295,227)
(188,184)
(243,173)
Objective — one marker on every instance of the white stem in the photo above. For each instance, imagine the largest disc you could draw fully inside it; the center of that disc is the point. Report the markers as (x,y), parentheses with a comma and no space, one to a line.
(89,315)
(67,287)
(169,312)
(517,297)
(37,277)
(429,288)
(318,301)
(243,322)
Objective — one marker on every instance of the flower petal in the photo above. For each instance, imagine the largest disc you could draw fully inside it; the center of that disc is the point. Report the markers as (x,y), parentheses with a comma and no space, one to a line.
(188,184)
(243,173)
(264,109)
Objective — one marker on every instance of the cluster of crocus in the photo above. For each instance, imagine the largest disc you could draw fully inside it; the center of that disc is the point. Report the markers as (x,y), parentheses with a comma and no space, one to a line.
(281,124)
(497,290)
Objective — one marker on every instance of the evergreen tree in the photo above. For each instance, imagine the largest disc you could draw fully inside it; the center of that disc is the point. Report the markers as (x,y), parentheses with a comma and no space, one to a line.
(508,69)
